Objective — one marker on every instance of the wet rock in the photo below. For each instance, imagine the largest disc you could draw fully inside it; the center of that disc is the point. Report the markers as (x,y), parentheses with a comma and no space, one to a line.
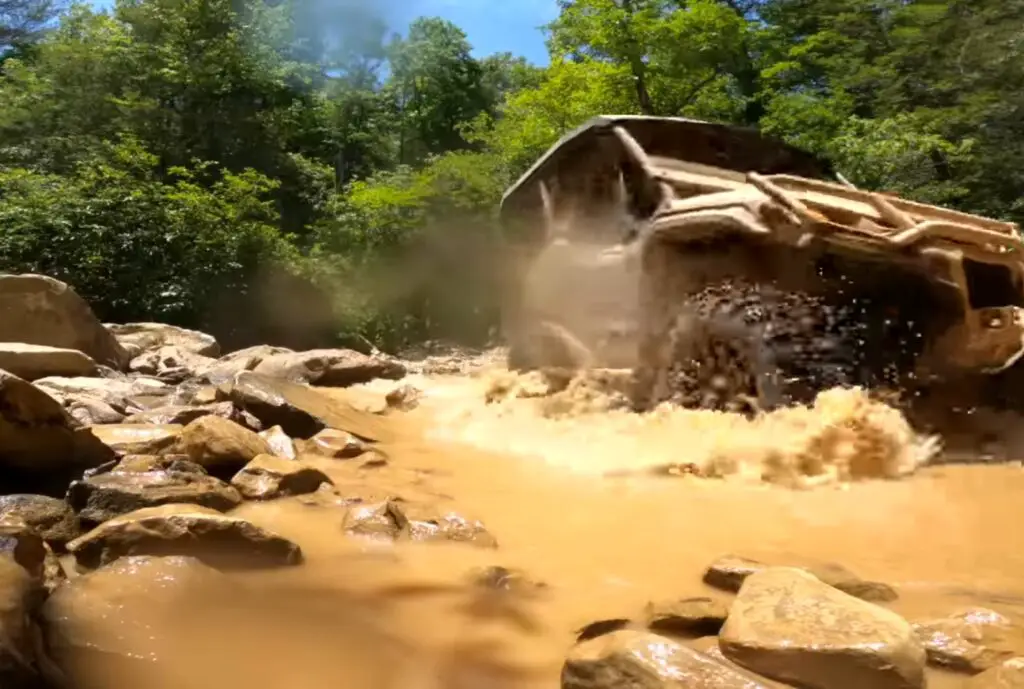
(300,410)
(137,338)
(38,436)
(21,661)
(268,476)
(728,573)
(593,630)
(334,444)
(121,613)
(90,411)
(139,438)
(970,641)
(52,519)
(640,660)
(185,414)
(220,446)
(1007,675)
(32,362)
(227,367)
(497,578)
(170,364)
(24,545)
(98,499)
(324,496)
(329,367)
(688,617)
(788,625)
(219,540)
(279,442)
(40,310)
(168,462)
(404,398)
(389,520)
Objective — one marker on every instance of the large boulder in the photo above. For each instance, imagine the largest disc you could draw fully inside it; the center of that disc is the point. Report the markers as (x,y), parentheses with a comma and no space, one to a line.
(788,625)
(121,393)
(640,660)
(184,414)
(301,411)
(221,446)
(137,338)
(119,620)
(102,497)
(32,361)
(329,367)
(229,365)
(139,438)
(37,436)
(40,310)
(219,540)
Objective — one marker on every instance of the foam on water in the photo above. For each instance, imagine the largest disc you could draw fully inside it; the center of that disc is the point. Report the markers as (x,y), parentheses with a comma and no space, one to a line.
(582,425)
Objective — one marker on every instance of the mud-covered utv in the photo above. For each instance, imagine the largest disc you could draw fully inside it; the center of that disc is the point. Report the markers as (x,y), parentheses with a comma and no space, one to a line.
(725,268)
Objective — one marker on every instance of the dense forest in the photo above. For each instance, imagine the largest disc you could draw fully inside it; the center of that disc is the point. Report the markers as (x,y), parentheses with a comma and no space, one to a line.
(204,162)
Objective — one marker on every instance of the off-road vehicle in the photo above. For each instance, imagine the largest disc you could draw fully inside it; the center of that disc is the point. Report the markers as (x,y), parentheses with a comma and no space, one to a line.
(727,269)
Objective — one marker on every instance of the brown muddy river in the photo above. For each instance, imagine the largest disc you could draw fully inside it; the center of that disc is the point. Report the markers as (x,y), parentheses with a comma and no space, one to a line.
(562,485)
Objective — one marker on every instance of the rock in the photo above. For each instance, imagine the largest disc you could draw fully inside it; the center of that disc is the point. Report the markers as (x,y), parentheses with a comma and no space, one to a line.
(52,519)
(121,393)
(184,414)
(90,411)
(497,578)
(32,362)
(639,660)
(268,476)
(970,641)
(20,654)
(688,617)
(100,498)
(1008,675)
(219,540)
(388,520)
(329,367)
(143,337)
(593,630)
(280,444)
(37,436)
(334,444)
(170,364)
(300,410)
(728,573)
(169,462)
(224,369)
(40,310)
(120,613)
(404,398)
(788,625)
(139,438)
(24,545)
(220,446)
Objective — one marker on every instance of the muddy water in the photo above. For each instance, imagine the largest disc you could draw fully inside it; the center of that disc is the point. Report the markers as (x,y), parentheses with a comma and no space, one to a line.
(569,504)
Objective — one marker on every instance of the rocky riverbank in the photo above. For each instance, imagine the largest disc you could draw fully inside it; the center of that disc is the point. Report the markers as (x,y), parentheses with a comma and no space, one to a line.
(131,457)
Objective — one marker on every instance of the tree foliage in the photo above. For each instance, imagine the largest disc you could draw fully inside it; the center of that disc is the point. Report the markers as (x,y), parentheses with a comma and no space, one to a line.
(168,152)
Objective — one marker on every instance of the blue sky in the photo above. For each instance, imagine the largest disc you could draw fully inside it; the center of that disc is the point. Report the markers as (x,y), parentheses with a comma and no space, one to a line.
(492,25)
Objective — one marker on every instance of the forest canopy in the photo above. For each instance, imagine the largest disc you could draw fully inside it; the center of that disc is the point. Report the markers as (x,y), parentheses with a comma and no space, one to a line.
(199,162)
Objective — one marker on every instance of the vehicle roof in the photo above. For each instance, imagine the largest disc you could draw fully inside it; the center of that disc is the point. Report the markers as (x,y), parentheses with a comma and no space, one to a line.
(746,148)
